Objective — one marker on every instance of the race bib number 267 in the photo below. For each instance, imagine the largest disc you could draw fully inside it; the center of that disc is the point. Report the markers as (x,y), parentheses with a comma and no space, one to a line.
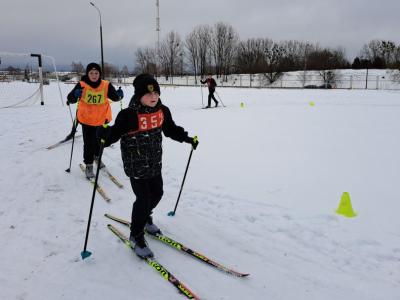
(95,97)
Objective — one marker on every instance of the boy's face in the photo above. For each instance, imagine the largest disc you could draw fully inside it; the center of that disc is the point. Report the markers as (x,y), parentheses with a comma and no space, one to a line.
(150,99)
(94,75)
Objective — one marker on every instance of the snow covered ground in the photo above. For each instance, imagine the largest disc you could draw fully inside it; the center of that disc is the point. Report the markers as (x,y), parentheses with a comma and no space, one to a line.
(260,196)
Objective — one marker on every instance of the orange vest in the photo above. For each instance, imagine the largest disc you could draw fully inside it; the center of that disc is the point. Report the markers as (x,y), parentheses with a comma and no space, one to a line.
(94,108)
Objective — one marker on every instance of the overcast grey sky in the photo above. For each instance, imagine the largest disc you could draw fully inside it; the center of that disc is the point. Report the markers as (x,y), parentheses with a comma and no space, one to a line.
(69,30)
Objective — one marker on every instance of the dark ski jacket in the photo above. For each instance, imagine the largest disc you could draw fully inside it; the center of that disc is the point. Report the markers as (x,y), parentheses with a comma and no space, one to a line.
(210,83)
(139,127)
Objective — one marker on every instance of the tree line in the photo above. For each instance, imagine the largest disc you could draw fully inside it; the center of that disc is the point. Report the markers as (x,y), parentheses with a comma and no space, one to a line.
(219,50)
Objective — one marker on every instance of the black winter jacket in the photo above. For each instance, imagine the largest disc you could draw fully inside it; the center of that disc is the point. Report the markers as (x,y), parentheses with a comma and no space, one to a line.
(139,128)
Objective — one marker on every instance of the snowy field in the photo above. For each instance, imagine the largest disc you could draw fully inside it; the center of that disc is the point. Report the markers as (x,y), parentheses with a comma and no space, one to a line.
(260,196)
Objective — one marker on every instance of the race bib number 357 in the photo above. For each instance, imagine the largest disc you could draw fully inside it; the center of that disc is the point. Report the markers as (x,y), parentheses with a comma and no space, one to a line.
(150,121)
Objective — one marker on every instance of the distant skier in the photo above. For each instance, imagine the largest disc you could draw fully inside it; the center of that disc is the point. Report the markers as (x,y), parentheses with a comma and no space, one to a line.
(140,126)
(93,110)
(211,89)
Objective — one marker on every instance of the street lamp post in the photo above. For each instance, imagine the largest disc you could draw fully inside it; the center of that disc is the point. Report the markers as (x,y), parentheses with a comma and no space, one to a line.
(101,40)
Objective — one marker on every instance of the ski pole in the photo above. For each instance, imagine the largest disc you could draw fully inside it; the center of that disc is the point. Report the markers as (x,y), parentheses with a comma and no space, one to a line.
(220,99)
(70,113)
(73,131)
(85,253)
(74,126)
(201,89)
(172,213)
(120,102)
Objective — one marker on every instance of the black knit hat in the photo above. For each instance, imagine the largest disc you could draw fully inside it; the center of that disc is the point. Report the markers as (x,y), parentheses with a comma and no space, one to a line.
(145,83)
(93,66)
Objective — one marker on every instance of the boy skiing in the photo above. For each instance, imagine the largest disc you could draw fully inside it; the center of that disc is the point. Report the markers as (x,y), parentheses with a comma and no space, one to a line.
(139,127)
(211,89)
(93,110)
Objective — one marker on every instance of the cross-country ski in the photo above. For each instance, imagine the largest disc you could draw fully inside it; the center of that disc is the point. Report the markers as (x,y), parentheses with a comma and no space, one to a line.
(180,247)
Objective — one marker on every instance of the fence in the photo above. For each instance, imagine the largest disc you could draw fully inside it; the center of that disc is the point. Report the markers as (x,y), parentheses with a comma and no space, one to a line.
(344,79)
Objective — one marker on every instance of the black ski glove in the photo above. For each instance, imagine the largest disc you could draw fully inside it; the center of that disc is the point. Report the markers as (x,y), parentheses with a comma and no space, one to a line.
(192,140)
(78,93)
(103,132)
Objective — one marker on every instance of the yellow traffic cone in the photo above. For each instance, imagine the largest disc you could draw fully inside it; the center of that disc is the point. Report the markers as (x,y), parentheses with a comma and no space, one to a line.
(241,104)
(345,208)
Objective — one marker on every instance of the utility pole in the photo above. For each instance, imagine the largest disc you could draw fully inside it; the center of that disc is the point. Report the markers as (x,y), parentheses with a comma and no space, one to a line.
(158,35)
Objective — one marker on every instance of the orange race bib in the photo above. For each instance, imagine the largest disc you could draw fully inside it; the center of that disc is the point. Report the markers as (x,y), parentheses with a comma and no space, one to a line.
(94,108)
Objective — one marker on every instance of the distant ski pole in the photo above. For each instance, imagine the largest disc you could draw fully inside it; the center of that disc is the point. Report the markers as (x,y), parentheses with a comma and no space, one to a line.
(220,99)
(172,213)
(120,102)
(201,89)
(85,253)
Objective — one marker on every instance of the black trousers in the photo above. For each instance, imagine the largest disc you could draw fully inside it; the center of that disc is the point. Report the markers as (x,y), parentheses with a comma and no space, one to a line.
(91,146)
(148,194)
(211,95)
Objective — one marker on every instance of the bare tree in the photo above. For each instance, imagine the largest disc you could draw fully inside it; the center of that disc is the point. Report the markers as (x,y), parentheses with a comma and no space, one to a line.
(388,49)
(124,73)
(77,67)
(380,53)
(295,55)
(125,70)
(250,57)
(110,70)
(305,48)
(192,45)
(146,60)
(170,51)
(325,61)
(223,45)
(370,51)
(397,58)
(273,55)
(198,46)
(204,35)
